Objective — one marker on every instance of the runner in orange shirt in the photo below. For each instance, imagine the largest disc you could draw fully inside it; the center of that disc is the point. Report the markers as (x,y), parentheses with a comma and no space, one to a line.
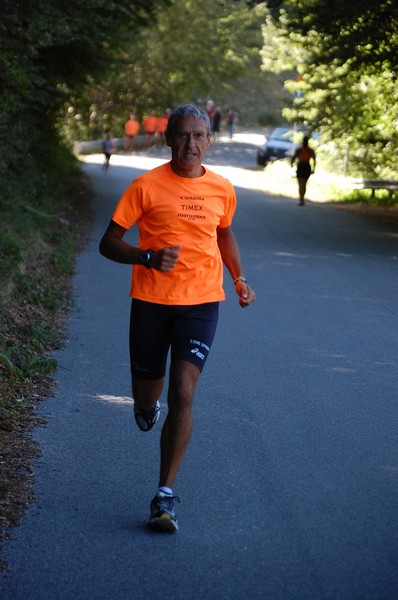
(161,129)
(150,124)
(131,129)
(184,215)
(304,155)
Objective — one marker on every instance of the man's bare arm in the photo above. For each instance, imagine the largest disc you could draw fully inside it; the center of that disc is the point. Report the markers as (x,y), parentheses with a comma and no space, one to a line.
(113,246)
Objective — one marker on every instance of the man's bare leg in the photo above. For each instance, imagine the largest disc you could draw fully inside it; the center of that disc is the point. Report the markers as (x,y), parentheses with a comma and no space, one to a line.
(177,428)
(175,435)
(146,406)
(302,189)
(146,392)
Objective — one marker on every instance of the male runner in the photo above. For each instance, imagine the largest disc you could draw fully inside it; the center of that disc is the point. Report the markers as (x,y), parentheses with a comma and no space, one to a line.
(184,213)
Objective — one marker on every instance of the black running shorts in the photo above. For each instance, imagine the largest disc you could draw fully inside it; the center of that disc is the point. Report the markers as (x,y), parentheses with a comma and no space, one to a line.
(303,170)
(156,328)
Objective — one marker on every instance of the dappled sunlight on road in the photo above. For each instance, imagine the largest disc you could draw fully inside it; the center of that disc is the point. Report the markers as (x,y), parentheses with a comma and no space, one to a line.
(114,399)
(254,179)
(137,161)
(277,179)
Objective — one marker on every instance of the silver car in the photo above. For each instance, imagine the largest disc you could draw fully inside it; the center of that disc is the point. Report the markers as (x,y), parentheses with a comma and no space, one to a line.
(281,143)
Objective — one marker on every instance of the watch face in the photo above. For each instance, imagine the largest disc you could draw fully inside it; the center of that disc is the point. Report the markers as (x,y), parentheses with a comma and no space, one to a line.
(145,257)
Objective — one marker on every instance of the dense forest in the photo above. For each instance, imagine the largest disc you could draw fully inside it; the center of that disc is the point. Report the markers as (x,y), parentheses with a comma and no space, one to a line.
(345,55)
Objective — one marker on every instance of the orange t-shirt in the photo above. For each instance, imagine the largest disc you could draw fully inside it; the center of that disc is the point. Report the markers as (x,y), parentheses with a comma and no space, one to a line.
(150,123)
(131,127)
(162,124)
(177,211)
(304,154)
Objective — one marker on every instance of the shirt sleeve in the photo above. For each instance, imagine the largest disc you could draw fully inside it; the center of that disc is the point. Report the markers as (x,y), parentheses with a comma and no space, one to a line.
(129,208)
(230,206)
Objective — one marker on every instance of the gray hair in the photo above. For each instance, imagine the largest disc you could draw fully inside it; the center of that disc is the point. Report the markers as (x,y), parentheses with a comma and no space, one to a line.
(187,110)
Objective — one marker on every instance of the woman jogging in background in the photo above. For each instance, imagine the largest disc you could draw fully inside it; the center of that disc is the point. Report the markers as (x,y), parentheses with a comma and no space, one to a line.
(107,149)
(304,155)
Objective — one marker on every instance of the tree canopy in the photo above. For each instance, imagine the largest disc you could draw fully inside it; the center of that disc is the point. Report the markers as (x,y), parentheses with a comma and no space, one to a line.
(346,56)
(188,52)
(47,46)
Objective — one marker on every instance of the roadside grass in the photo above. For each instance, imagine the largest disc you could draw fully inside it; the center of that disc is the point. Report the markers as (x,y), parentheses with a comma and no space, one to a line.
(280,178)
(44,224)
(366,198)
(43,216)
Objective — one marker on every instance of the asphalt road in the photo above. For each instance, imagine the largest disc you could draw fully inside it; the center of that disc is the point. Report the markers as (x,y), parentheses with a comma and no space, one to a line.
(289,488)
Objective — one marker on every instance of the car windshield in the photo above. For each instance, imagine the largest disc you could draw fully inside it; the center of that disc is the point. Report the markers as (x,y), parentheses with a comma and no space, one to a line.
(282,134)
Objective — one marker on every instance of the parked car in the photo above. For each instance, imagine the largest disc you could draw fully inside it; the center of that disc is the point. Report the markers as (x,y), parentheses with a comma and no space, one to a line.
(281,143)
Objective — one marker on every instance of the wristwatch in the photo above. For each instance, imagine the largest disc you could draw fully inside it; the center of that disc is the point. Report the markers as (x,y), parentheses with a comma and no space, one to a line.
(145,258)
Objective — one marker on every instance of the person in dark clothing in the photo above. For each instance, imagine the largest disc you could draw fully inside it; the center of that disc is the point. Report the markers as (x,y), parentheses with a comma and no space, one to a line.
(304,155)
(215,124)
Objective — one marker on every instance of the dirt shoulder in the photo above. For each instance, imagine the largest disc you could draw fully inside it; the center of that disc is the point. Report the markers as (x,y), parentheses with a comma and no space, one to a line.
(385,215)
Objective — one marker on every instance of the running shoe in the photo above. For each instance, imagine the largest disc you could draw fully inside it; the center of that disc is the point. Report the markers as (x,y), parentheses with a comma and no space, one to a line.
(162,515)
(146,419)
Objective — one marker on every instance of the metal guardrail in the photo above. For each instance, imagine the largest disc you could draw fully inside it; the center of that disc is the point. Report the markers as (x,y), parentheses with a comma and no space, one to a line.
(373,184)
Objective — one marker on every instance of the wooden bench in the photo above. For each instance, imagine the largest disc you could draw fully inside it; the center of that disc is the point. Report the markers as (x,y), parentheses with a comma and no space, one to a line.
(374,184)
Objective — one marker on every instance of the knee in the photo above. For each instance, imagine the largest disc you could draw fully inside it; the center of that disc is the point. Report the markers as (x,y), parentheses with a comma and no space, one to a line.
(181,395)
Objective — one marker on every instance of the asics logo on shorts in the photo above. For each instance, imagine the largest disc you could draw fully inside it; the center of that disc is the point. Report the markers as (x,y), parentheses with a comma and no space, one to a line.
(198,353)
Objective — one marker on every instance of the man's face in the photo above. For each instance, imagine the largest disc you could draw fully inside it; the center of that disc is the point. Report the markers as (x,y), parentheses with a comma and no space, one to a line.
(188,146)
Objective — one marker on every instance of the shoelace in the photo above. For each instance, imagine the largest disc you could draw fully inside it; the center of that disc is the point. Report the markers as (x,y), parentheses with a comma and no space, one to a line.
(148,414)
(167,501)
(153,410)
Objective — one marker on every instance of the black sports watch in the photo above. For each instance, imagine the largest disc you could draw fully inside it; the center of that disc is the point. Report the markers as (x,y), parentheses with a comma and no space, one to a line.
(145,258)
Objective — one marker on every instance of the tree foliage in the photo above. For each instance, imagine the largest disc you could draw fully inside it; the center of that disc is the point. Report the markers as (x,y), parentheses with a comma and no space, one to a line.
(188,52)
(346,55)
(46,47)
